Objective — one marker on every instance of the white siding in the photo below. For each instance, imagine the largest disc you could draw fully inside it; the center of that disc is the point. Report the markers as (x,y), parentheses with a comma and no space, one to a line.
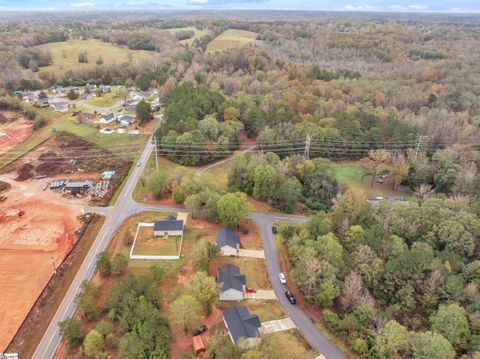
(170,233)
(231,294)
(228,251)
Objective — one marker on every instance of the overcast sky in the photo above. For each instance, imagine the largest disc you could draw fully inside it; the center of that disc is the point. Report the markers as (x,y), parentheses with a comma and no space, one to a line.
(342,5)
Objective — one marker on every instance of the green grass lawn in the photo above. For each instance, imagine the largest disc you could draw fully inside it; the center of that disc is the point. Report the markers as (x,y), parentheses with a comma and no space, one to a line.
(220,173)
(158,246)
(291,344)
(106,100)
(231,38)
(254,269)
(349,174)
(65,54)
(198,33)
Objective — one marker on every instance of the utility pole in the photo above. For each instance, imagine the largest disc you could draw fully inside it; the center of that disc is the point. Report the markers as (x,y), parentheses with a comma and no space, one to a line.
(156,153)
(53,265)
(306,154)
(418,145)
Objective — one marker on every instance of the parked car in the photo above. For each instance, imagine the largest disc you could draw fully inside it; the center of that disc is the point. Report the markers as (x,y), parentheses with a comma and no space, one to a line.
(283,279)
(290,297)
(250,290)
(139,164)
(200,330)
(274,230)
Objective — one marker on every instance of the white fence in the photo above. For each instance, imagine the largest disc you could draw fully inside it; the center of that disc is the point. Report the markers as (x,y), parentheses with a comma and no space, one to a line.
(153,257)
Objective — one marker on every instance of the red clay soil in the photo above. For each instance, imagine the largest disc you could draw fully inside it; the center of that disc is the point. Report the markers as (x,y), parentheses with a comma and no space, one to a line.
(14,133)
(35,225)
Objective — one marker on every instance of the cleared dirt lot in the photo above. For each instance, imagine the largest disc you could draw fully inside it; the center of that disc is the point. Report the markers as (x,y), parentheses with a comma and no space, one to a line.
(14,129)
(35,225)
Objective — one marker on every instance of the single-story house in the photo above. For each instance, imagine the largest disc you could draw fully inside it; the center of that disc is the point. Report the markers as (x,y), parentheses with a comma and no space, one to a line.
(232,282)
(126,120)
(85,116)
(107,131)
(59,106)
(137,97)
(108,118)
(132,106)
(105,88)
(169,227)
(59,90)
(87,96)
(227,241)
(242,324)
(90,86)
(133,132)
(121,130)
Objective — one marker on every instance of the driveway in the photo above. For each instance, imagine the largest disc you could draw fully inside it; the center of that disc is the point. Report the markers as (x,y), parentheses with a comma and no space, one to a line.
(262,294)
(251,253)
(278,325)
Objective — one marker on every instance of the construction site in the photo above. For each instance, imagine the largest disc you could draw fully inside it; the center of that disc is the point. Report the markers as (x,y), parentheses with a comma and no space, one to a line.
(14,129)
(44,198)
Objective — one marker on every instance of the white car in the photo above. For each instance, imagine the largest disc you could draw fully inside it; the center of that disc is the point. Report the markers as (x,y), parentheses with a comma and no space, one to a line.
(283,279)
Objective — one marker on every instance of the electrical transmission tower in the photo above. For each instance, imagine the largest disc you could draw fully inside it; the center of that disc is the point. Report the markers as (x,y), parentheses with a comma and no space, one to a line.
(418,145)
(306,154)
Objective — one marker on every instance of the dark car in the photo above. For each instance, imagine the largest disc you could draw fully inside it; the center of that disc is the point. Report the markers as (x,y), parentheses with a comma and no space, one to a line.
(290,297)
(274,230)
(200,330)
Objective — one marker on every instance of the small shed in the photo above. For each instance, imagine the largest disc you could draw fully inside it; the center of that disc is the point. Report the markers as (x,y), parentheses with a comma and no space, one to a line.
(198,346)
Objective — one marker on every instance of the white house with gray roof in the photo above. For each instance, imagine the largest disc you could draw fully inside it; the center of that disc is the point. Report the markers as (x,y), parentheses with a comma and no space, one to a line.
(108,118)
(227,241)
(232,282)
(242,325)
(168,227)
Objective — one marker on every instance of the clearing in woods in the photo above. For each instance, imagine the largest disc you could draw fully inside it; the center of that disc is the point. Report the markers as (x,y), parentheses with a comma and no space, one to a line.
(197,33)
(65,54)
(231,38)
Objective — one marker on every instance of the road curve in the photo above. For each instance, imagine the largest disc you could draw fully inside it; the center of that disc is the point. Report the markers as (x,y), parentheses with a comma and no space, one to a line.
(125,207)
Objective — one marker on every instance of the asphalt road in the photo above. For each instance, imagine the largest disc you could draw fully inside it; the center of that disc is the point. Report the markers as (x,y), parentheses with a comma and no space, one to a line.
(124,207)
(316,339)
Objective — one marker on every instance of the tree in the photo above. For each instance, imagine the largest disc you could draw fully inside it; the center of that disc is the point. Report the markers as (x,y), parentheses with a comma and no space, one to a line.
(451,321)
(204,251)
(103,264)
(429,345)
(205,289)
(93,343)
(119,263)
(72,94)
(232,208)
(143,111)
(398,169)
(185,311)
(352,290)
(99,60)
(71,329)
(82,57)
(423,193)
(376,162)
(392,340)
(157,184)
(266,181)
(288,194)
(86,300)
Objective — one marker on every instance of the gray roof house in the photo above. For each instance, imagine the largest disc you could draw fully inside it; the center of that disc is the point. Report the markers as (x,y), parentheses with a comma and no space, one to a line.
(172,227)
(60,106)
(126,120)
(108,118)
(227,241)
(242,324)
(232,282)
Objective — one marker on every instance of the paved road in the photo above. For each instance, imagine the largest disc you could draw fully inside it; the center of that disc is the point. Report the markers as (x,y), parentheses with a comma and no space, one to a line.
(316,339)
(124,207)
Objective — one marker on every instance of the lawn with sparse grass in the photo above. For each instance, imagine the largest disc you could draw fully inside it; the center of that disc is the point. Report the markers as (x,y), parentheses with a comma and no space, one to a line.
(198,33)
(291,344)
(65,54)
(105,100)
(147,244)
(231,38)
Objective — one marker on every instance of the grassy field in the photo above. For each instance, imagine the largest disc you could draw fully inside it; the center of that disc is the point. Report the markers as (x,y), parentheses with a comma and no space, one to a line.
(65,54)
(349,174)
(198,33)
(106,100)
(147,244)
(231,38)
(290,344)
